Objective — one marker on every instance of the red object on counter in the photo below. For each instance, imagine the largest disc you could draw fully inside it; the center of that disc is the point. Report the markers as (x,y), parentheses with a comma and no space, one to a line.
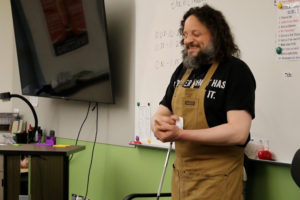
(264,155)
(137,142)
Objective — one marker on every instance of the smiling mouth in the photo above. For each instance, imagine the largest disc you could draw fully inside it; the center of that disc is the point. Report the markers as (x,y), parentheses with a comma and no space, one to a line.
(191,45)
(193,48)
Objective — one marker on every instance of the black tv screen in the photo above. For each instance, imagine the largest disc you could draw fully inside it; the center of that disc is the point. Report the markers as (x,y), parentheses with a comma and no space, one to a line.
(62,49)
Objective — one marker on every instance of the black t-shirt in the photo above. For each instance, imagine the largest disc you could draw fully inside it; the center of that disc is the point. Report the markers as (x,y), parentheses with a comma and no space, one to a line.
(232,87)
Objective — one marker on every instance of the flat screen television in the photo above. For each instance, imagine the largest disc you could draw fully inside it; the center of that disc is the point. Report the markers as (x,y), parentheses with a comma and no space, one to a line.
(62,49)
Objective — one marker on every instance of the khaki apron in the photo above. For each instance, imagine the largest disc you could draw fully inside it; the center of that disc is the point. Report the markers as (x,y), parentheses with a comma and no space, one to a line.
(202,172)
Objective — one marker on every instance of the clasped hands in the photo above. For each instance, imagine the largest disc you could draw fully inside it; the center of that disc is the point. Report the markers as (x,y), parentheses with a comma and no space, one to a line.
(165,129)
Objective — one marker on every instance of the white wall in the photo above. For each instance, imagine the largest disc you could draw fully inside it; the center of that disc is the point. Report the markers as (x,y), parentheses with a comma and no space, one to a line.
(277,102)
(7,50)
(116,122)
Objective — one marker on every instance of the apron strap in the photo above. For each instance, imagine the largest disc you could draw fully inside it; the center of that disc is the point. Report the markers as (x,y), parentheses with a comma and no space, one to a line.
(202,91)
(208,75)
(185,76)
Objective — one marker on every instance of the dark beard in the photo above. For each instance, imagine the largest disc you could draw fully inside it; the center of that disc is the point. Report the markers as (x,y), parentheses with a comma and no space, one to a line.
(202,58)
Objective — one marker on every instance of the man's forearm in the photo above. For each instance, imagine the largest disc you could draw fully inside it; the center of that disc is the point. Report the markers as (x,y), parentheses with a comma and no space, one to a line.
(222,135)
(234,132)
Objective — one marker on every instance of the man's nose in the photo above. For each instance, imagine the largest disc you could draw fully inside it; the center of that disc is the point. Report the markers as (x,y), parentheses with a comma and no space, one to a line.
(188,39)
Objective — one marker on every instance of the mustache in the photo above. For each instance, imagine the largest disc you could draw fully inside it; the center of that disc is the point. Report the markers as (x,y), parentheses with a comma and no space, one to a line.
(191,45)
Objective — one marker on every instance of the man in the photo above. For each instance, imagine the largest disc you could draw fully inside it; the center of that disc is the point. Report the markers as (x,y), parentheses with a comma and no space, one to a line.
(213,92)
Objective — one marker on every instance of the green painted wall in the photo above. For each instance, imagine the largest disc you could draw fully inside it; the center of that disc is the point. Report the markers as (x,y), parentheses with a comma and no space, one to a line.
(271,182)
(118,171)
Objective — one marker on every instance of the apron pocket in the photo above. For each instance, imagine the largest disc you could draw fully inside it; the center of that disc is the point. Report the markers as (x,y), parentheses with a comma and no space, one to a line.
(196,185)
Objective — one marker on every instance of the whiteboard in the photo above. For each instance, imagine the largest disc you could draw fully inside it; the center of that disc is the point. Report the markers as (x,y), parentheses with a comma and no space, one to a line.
(254,26)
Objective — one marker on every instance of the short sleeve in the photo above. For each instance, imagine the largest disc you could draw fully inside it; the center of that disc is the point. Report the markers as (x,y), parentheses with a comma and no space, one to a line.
(241,89)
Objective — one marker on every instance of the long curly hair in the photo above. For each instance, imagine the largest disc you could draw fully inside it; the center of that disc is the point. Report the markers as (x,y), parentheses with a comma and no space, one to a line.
(222,37)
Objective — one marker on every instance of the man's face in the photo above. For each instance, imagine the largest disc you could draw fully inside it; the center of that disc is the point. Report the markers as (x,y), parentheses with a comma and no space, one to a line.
(196,37)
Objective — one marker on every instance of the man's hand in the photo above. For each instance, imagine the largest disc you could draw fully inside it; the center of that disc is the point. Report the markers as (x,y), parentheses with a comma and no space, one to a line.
(166,130)
(163,124)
